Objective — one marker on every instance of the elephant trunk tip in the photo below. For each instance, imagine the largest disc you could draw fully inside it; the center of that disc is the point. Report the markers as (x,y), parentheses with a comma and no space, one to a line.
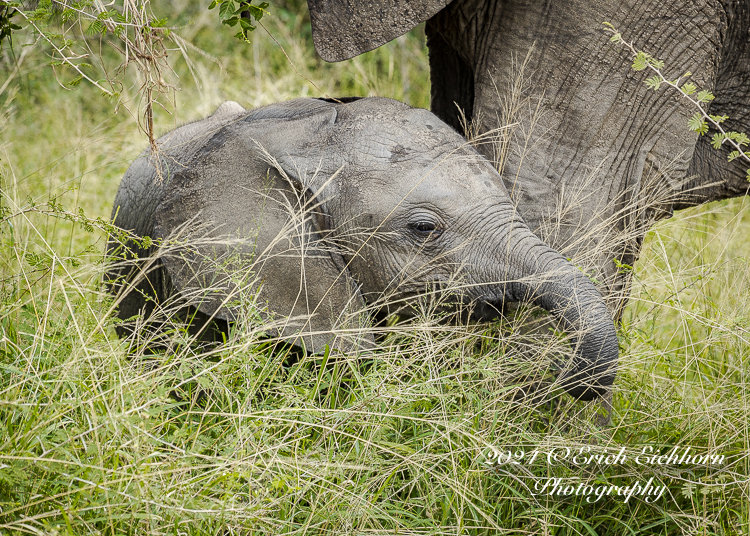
(595,364)
(578,305)
(583,388)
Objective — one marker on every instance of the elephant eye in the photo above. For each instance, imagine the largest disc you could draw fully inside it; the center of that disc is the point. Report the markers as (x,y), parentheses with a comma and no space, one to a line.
(426,229)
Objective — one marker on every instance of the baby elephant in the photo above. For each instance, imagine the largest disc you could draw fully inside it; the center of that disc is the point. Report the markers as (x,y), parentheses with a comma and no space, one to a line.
(322,210)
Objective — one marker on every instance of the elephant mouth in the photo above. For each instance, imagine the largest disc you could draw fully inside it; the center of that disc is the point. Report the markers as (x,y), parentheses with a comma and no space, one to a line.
(486,311)
(484,306)
(491,302)
(480,303)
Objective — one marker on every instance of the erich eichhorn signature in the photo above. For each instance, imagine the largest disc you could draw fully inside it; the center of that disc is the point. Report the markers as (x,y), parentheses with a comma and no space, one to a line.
(583,456)
(650,491)
(559,487)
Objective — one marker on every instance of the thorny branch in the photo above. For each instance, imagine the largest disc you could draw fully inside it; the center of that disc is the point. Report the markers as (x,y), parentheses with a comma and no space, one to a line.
(140,41)
(699,122)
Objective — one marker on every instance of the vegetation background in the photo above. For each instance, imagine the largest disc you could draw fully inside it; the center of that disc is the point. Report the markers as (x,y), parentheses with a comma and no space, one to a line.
(239,441)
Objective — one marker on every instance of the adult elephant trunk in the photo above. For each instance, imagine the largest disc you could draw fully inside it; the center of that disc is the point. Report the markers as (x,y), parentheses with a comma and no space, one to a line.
(540,275)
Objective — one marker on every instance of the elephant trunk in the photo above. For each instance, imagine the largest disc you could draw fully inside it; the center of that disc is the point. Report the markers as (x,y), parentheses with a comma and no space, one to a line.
(548,280)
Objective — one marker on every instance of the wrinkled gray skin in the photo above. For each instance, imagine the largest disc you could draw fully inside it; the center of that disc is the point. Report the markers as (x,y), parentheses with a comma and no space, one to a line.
(608,157)
(403,205)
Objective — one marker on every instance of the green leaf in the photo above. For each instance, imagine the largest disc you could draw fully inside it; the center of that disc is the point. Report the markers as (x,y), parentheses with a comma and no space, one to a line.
(226,9)
(748,175)
(621,266)
(616,38)
(717,140)
(688,88)
(243,12)
(733,155)
(654,82)
(704,96)
(75,81)
(738,137)
(698,124)
(657,64)
(719,118)
(40,15)
(641,61)
(96,27)
(258,11)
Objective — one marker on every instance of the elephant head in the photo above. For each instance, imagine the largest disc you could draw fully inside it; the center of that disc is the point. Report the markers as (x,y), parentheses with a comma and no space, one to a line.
(334,208)
(608,156)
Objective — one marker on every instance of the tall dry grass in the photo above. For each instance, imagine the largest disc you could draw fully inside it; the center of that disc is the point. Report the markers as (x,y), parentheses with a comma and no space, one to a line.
(251,438)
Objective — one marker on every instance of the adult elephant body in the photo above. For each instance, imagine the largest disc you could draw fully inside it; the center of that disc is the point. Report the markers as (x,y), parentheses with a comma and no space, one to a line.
(335,209)
(607,157)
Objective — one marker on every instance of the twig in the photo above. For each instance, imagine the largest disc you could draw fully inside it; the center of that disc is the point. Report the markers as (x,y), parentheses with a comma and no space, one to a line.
(63,57)
(647,61)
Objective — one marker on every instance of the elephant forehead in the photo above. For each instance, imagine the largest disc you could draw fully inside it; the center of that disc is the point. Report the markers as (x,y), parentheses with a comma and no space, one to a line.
(382,152)
(410,150)
(466,166)
(459,172)
(417,130)
(448,181)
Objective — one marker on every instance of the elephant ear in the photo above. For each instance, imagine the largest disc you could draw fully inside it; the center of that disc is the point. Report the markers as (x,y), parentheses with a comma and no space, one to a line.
(245,233)
(343,29)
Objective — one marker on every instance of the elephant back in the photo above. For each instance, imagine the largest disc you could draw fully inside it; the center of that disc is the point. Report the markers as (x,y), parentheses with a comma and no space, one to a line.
(143,185)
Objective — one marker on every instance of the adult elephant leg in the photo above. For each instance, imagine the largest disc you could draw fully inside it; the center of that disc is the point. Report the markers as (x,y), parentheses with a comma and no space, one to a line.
(711,176)
(607,156)
(451,81)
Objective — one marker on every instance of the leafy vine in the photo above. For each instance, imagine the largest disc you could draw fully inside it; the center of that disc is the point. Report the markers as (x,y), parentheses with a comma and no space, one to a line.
(701,121)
